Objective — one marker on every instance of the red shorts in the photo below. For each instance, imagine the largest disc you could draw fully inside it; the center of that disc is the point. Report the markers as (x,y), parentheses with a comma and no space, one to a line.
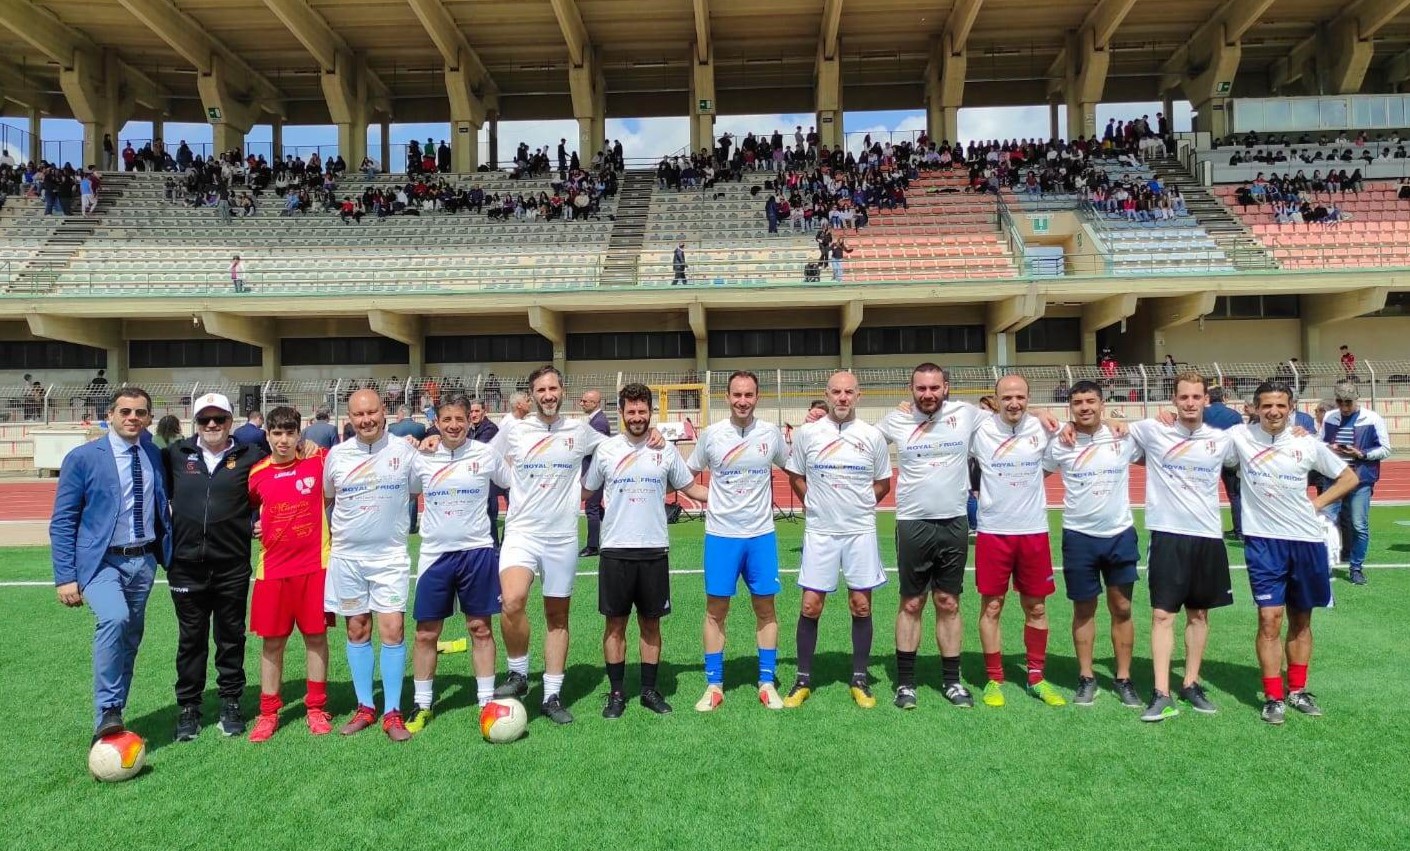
(1026,558)
(277,605)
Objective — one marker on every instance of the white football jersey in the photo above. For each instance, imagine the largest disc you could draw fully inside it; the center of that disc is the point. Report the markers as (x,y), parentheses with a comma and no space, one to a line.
(1096,481)
(456,487)
(634,480)
(370,487)
(740,462)
(1274,471)
(1182,477)
(840,462)
(1011,496)
(932,453)
(546,463)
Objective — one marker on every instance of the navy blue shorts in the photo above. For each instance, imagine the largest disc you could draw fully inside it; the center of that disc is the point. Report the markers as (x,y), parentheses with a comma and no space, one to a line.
(727,559)
(1089,561)
(1295,574)
(471,577)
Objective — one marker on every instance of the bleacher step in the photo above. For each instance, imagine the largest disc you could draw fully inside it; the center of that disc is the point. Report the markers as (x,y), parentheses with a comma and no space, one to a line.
(621,263)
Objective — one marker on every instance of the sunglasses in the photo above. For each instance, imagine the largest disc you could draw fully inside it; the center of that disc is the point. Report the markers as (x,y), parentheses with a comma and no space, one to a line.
(132,412)
(218,420)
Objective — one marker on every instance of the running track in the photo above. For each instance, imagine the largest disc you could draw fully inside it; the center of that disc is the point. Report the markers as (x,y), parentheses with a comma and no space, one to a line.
(34,500)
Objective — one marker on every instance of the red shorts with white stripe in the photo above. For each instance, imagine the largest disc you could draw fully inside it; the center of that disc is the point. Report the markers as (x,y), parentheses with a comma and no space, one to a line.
(1027,559)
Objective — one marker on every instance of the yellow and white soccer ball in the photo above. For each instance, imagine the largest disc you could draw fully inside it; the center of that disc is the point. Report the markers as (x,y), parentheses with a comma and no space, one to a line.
(117,757)
(503,720)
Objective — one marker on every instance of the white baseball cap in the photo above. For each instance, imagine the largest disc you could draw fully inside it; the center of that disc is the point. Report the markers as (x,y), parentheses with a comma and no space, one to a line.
(212,400)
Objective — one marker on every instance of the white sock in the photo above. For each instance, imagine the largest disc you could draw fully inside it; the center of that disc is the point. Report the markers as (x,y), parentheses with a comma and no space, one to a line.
(423,692)
(519,665)
(484,689)
(552,685)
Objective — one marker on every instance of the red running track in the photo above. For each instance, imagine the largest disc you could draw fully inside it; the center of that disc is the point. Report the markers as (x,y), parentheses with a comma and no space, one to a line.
(34,500)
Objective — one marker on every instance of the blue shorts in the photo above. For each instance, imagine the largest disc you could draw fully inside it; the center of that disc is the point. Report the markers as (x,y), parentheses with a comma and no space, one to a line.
(756,559)
(471,576)
(1295,574)
(1088,561)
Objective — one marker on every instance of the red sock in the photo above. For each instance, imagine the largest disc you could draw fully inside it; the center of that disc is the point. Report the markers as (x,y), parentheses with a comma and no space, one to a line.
(1273,688)
(1035,641)
(317,695)
(269,704)
(994,666)
(1297,677)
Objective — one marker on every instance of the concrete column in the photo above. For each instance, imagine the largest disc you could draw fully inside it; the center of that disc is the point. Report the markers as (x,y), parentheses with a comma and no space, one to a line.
(827,101)
(386,148)
(1054,130)
(230,116)
(996,348)
(94,91)
(1085,80)
(492,117)
(1210,91)
(36,138)
(464,147)
(944,89)
(589,105)
(1167,104)
(345,89)
(702,90)
(117,364)
(276,138)
(225,137)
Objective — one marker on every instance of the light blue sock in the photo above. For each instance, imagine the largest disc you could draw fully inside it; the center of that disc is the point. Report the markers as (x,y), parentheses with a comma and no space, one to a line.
(715,669)
(360,661)
(393,670)
(768,662)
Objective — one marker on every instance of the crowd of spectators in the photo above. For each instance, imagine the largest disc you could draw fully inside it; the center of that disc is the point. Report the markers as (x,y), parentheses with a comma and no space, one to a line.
(1297,198)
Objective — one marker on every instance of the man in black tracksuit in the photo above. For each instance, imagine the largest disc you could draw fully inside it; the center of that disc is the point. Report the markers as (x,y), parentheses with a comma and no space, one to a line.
(207,479)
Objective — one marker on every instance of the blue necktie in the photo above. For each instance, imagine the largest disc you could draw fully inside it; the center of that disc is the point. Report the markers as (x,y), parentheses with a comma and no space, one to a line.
(138,526)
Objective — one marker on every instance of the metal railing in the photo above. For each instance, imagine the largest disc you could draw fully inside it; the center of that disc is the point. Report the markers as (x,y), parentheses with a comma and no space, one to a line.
(785,394)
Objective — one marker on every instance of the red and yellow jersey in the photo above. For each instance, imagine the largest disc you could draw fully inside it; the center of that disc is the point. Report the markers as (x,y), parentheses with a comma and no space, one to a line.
(293,526)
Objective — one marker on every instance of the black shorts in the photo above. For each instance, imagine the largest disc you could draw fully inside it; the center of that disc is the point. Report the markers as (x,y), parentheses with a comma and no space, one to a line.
(932,554)
(1188,571)
(640,578)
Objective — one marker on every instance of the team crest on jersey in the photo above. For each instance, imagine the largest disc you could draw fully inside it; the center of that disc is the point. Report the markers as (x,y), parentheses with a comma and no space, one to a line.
(656,458)
(230,463)
(395,464)
(304,485)
(190,465)
(474,466)
(951,421)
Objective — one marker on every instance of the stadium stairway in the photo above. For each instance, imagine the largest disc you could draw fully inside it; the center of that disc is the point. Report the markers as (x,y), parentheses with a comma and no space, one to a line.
(619,266)
(1242,248)
(43,269)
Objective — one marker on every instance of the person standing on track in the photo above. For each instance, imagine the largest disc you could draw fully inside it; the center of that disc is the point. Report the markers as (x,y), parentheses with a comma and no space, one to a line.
(1098,538)
(740,454)
(1288,567)
(840,469)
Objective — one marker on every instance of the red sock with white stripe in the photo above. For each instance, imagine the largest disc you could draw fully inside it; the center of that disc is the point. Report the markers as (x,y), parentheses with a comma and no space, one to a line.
(1035,642)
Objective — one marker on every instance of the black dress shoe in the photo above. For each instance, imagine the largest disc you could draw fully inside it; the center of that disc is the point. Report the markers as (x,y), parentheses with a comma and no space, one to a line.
(110,723)
(587,552)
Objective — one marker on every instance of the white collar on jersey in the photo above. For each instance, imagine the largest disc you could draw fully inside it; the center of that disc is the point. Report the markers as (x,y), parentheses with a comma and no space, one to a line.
(376,446)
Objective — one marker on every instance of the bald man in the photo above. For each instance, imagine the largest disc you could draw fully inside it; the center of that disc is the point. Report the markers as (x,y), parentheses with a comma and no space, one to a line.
(840,469)
(367,480)
(591,405)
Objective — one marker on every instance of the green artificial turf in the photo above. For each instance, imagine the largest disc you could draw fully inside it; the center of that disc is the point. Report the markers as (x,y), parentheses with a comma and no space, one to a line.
(826,775)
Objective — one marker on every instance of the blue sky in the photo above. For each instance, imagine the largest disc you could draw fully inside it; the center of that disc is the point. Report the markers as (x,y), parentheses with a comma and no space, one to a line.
(641,137)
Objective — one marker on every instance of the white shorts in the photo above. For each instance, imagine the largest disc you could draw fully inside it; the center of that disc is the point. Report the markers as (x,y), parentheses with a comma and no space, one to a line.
(555,563)
(855,557)
(358,587)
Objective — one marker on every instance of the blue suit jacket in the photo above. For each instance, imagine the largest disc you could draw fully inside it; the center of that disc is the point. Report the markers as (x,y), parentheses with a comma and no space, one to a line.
(86,509)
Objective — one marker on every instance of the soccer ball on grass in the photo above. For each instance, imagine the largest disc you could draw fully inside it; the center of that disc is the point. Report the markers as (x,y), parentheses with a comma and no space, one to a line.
(117,757)
(502,721)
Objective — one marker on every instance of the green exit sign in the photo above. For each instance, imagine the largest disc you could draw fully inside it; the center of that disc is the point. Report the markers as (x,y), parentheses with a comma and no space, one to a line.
(1223,87)
(706,105)
(1041,224)
(213,113)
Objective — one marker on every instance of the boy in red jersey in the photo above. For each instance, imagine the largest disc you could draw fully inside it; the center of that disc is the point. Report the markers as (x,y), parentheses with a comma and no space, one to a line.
(287,490)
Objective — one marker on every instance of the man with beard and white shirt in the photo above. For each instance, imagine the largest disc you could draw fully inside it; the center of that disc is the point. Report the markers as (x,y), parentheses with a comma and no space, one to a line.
(457,558)
(1288,567)
(1098,538)
(840,469)
(368,481)
(545,452)
(634,571)
(740,454)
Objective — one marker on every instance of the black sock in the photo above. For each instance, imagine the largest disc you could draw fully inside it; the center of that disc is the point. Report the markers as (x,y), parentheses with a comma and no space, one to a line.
(648,675)
(950,670)
(906,668)
(616,673)
(861,645)
(807,645)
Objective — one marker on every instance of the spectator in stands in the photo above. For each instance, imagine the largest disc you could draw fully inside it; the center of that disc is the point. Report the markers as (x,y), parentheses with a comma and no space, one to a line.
(1168,370)
(839,251)
(368,168)
(443,157)
(678,265)
(88,199)
(237,273)
(321,431)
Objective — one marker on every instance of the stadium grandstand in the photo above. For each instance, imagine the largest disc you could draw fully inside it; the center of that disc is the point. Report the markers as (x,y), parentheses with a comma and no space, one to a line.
(1234,246)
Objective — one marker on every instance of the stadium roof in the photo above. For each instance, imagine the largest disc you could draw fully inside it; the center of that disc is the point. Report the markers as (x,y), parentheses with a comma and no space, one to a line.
(520,51)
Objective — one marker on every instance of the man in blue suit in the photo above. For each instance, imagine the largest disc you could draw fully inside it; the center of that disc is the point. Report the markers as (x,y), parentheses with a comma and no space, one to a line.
(252,432)
(591,404)
(108,533)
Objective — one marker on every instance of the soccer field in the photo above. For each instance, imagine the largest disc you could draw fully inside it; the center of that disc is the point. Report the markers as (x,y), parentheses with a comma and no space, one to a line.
(826,775)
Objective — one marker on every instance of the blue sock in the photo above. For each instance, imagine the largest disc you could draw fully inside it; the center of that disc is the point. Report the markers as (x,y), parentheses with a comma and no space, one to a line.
(360,661)
(768,661)
(715,668)
(393,670)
